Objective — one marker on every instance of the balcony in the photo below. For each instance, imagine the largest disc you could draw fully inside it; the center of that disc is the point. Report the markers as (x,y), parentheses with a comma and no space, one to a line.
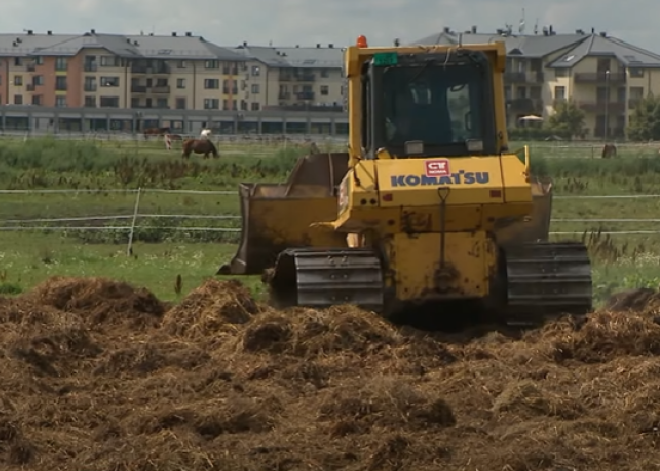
(314,108)
(90,87)
(138,89)
(600,78)
(284,96)
(143,69)
(525,105)
(633,102)
(524,77)
(29,87)
(161,89)
(602,107)
(306,78)
(285,78)
(91,67)
(30,67)
(305,95)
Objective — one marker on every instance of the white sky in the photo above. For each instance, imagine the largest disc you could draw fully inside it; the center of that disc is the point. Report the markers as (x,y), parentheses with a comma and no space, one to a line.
(308,22)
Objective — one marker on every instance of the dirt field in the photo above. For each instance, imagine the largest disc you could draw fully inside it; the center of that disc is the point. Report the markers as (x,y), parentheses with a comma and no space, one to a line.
(99,376)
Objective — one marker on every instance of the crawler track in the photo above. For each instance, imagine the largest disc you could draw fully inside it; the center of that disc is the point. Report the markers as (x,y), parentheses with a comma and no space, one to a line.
(543,280)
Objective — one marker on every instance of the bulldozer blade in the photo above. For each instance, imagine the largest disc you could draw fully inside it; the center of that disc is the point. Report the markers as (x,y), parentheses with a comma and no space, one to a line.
(535,227)
(276,217)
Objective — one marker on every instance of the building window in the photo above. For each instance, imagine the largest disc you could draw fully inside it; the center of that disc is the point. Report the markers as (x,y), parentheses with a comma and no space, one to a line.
(18,99)
(36,100)
(109,81)
(110,61)
(211,83)
(212,64)
(18,80)
(90,84)
(325,73)
(60,101)
(181,64)
(536,93)
(254,88)
(636,72)
(254,106)
(38,80)
(180,103)
(180,83)
(60,64)
(560,93)
(90,101)
(225,105)
(255,71)
(39,60)
(135,102)
(90,64)
(109,102)
(211,104)
(324,89)
(60,83)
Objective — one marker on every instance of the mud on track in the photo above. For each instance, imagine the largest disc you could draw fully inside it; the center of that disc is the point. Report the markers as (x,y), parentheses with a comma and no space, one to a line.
(97,375)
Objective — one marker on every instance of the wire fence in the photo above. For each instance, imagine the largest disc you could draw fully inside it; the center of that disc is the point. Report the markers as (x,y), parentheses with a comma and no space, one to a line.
(126,212)
(264,144)
(252,145)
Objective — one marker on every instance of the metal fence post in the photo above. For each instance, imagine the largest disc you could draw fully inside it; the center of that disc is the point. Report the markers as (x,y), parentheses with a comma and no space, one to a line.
(135,213)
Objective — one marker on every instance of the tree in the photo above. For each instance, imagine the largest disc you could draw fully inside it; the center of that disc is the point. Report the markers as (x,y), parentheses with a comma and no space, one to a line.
(567,120)
(644,124)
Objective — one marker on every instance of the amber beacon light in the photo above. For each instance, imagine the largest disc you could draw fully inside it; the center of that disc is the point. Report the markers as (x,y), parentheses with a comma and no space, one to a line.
(362,41)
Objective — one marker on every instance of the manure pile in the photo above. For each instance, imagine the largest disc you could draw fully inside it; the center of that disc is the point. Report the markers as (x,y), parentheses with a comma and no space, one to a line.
(98,375)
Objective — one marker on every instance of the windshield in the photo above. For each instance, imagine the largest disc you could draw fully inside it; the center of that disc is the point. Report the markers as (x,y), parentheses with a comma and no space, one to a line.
(440,105)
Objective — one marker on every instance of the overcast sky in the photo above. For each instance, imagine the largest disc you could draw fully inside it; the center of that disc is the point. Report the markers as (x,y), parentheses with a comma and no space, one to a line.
(308,22)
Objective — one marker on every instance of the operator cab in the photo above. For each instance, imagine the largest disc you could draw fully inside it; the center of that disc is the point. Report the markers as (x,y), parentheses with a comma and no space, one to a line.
(429,105)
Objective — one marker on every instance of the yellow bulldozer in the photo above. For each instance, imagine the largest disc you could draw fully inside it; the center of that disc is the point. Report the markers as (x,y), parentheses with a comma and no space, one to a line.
(427,211)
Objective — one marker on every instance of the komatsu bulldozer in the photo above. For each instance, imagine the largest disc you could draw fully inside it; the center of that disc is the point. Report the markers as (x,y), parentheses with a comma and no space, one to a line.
(427,208)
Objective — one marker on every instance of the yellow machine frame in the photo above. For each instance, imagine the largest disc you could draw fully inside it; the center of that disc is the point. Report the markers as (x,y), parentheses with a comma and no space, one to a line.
(411,230)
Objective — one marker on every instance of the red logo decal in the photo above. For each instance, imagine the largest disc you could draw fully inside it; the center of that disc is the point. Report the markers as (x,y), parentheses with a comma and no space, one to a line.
(437,168)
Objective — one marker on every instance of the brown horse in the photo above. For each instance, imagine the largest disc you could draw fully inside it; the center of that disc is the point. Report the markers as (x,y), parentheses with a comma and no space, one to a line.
(608,151)
(155,132)
(198,146)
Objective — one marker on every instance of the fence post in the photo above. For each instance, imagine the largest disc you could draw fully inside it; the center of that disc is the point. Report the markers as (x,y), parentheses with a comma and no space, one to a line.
(135,213)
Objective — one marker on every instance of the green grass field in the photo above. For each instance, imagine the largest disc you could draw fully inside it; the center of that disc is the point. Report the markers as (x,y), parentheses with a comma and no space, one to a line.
(162,250)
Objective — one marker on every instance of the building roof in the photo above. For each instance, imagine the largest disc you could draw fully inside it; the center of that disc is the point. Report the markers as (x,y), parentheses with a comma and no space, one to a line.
(532,46)
(595,45)
(299,57)
(137,46)
(577,45)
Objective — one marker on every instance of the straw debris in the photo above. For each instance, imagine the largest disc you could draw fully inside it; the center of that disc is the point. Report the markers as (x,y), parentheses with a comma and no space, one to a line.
(101,375)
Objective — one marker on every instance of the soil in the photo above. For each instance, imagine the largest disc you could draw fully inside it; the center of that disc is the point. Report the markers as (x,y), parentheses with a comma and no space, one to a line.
(100,375)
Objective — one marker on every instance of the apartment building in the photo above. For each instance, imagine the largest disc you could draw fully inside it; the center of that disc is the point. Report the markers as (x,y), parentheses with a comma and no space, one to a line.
(605,76)
(97,70)
(294,78)
(179,72)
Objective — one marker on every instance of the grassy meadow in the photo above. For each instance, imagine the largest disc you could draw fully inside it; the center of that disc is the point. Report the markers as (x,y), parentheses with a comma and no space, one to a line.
(163,249)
